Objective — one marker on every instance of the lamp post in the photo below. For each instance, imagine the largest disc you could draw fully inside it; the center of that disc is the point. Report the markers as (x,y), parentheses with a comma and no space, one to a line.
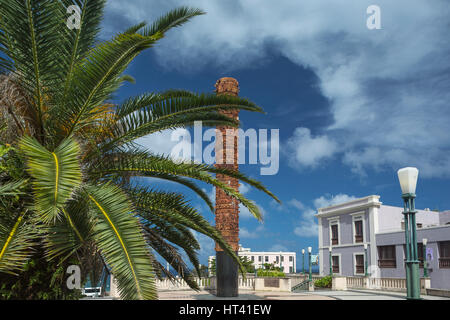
(408,181)
(303,260)
(366,274)
(331,263)
(425,264)
(310,265)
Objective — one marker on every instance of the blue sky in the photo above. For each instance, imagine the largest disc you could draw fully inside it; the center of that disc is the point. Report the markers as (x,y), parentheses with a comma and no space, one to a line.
(353,105)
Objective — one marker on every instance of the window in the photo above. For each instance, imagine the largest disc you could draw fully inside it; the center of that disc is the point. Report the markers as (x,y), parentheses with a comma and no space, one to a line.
(266,259)
(419,254)
(291,258)
(359,264)
(335,263)
(291,269)
(444,254)
(282,258)
(359,231)
(260,258)
(278,258)
(334,234)
(386,257)
(253,259)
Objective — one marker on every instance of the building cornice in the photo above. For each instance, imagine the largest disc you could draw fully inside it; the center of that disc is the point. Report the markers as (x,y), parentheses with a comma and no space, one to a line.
(418,230)
(350,206)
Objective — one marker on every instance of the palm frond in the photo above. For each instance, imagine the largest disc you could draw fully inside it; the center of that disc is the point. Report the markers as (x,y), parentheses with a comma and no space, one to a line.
(119,237)
(174,209)
(13,188)
(150,113)
(31,43)
(77,43)
(175,233)
(172,19)
(97,77)
(168,252)
(55,175)
(74,231)
(17,236)
(146,164)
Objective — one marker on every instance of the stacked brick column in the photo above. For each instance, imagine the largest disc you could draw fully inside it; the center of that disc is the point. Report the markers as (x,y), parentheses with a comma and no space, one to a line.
(227,208)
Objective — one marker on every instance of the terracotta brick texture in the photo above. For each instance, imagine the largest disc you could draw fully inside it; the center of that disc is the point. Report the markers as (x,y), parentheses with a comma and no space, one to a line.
(227,208)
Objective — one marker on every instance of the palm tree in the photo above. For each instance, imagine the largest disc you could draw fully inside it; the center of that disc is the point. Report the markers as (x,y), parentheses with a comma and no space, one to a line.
(76,197)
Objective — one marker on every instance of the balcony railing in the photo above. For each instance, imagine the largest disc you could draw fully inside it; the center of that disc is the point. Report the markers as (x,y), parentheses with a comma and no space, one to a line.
(335,269)
(334,241)
(359,238)
(444,263)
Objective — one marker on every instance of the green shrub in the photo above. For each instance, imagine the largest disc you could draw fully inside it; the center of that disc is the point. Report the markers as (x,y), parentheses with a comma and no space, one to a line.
(270,273)
(40,280)
(324,282)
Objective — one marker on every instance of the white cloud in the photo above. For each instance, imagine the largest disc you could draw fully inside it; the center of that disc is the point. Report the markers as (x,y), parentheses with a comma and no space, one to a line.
(388,89)
(308,151)
(296,204)
(244,233)
(246,214)
(308,224)
(330,200)
(278,247)
(277,206)
(286,206)
(243,188)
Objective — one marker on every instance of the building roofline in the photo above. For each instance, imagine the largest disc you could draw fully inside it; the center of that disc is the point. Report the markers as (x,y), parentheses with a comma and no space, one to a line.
(423,228)
(353,205)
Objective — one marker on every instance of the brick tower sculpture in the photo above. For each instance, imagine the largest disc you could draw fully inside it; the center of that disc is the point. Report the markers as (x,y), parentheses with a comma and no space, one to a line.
(227,208)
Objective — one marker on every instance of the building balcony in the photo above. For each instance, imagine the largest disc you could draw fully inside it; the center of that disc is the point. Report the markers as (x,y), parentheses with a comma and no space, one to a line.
(444,263)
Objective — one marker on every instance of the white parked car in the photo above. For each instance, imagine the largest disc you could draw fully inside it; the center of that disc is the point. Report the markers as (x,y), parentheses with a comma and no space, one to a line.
(92,292)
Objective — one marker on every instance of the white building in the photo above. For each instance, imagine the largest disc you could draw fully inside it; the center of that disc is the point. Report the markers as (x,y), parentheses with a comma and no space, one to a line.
(285,260)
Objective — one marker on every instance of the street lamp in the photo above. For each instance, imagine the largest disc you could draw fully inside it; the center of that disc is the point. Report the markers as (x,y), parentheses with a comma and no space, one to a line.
(408,181)
(303,254)
(331,266)
(425,264)
(310,271)
(365,260)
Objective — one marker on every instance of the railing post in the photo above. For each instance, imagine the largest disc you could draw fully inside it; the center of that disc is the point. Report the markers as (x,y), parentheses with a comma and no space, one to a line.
(339,283)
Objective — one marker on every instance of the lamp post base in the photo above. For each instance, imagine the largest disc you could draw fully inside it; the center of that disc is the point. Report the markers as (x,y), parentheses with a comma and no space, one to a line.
(413,281)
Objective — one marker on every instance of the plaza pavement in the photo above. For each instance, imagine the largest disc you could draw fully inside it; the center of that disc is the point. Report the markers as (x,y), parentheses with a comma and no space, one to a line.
(315,295)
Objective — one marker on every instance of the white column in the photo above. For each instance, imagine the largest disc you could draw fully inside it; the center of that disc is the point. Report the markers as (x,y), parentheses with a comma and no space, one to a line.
(373,227)
(113,291)
(321,255)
